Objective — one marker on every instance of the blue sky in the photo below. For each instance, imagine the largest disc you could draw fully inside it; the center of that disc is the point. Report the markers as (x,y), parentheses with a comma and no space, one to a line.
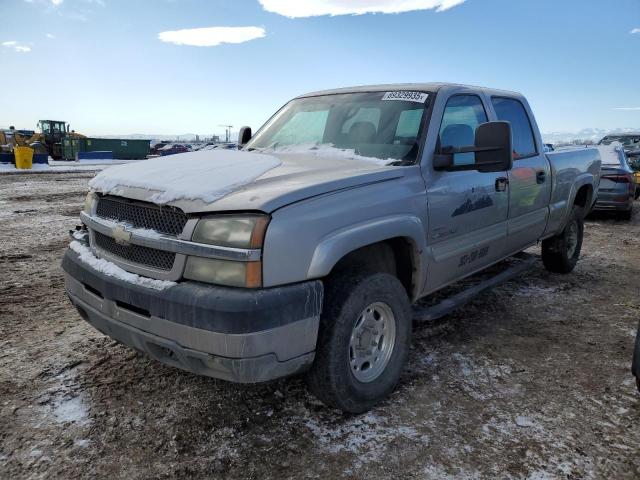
(100,64)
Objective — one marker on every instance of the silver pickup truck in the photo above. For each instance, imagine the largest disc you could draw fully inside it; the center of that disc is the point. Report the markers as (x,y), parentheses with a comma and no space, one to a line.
(305,250)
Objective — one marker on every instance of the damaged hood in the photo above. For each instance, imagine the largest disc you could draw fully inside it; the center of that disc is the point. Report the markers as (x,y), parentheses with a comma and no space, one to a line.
(228,180)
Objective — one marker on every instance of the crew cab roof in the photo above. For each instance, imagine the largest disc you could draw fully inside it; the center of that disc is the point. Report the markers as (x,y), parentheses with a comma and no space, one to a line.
(421,87)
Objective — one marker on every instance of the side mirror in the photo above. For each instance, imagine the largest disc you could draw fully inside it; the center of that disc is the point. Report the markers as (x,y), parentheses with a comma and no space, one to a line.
(492,148)
(244,136)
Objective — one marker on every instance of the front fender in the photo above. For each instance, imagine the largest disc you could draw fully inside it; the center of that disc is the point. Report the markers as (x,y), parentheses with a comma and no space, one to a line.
(337,244)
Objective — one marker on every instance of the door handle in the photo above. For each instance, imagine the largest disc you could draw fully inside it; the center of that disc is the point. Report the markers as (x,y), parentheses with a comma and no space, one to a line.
(541,176)
(501,184)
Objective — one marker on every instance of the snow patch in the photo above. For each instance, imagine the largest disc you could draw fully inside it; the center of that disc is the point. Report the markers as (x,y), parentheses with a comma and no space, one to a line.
(522,421)
(70,410)
(112,270)
(206,176)
(366,436)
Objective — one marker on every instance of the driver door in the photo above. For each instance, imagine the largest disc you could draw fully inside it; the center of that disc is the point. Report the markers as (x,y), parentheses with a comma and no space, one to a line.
(467,209)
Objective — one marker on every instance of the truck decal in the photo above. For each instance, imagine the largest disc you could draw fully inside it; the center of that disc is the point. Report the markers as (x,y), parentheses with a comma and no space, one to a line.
(472,205)
(473,256)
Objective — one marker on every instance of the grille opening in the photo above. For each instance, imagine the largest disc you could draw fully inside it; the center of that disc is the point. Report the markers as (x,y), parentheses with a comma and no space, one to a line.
(89,288)
(150,257)
(133,308)
(163,219)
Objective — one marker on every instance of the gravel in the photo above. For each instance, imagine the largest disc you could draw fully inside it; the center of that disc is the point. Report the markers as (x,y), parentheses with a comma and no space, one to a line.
(531,380)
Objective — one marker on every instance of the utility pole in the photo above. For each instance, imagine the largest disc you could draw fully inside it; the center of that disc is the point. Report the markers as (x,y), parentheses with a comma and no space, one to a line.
(227,131)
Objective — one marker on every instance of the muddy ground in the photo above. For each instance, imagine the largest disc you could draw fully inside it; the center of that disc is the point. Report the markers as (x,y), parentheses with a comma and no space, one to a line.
(530,380)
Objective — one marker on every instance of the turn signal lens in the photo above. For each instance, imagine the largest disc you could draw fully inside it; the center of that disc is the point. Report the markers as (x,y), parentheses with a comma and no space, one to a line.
(224,272)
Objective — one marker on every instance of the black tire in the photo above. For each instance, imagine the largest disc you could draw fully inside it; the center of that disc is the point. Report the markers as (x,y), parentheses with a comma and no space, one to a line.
(346,297)
(627,215)
(559,254)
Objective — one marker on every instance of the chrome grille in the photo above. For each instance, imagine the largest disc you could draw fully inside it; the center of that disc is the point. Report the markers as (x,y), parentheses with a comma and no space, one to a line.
(168,220)
(146,256)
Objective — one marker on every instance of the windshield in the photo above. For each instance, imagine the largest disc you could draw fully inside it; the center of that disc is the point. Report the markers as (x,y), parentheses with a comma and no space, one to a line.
(381,125)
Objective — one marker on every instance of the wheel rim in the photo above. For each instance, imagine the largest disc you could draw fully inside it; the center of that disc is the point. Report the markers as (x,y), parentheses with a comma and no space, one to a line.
(572,239)
(372,340)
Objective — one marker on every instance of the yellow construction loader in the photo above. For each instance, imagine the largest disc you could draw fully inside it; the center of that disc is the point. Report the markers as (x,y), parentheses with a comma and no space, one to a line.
(48,140)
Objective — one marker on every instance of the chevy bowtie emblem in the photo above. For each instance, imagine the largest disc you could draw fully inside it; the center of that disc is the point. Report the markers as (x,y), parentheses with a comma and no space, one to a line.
(121,235)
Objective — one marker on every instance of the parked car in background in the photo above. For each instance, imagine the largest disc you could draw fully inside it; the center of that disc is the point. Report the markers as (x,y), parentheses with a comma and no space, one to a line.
(634,163)
(617,188)
(630,142)
(173,148)
(155,149)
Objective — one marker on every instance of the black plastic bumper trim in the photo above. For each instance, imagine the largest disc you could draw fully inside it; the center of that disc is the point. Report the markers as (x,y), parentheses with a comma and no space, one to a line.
(208,307)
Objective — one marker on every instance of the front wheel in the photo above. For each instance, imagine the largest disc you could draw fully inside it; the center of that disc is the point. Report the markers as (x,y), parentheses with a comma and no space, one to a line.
(560,253)
(363,343)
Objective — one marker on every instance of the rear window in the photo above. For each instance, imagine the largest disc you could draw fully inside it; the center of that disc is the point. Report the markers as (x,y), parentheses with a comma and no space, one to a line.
(511,110)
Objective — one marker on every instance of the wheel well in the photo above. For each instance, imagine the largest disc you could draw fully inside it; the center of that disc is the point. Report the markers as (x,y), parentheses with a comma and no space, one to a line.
(394,256)
(583,197)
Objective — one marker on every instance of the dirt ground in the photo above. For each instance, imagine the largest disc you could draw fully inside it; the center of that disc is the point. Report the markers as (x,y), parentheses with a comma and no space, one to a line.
(531,380)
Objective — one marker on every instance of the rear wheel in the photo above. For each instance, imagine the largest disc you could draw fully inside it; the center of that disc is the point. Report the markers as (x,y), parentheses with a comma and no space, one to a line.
(560,253)
(363,343)
(626,215)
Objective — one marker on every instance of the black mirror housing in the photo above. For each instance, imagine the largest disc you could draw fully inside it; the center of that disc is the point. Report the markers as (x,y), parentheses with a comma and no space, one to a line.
(244,136)
(494,150)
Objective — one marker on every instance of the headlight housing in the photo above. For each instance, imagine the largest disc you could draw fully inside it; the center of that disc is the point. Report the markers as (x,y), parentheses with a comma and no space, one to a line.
(237,231)
(233,231)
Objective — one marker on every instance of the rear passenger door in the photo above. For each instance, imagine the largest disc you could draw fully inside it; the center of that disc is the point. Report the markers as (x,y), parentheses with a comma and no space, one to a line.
(467,209)
(529,180)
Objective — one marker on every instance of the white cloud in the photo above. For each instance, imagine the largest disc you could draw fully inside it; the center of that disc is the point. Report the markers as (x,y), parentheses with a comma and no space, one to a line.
(628,108)
(50,35)
(635,30)
(211,36)
(313,8)
(55,3)
(16,46)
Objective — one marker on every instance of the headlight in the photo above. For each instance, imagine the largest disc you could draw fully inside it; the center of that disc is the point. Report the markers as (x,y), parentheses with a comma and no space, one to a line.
(235,231)
(224,272)
(88,203)
(238,231)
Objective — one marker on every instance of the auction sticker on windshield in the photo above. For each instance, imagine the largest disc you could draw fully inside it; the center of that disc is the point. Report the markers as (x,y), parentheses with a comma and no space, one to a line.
(418,97)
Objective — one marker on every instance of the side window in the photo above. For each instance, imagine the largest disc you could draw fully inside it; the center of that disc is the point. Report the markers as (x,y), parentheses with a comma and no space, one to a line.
(462,115)
(303,127)
(511,110)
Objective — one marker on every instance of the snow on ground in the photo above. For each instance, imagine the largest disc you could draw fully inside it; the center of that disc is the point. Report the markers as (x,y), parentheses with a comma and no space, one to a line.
(58,166)
(206,176)
(112,270)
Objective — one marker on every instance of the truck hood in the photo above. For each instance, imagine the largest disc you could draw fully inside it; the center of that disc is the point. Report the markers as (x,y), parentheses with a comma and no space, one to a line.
(244,181)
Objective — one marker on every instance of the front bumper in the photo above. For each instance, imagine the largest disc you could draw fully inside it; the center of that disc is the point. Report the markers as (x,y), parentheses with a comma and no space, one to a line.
(239,335)
(613,206)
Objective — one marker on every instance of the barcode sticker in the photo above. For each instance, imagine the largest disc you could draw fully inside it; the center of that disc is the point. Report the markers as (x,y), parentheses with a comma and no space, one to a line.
(418,97)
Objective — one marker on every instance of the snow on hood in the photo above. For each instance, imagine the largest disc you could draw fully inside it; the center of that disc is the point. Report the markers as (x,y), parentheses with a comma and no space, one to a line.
(204,175)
